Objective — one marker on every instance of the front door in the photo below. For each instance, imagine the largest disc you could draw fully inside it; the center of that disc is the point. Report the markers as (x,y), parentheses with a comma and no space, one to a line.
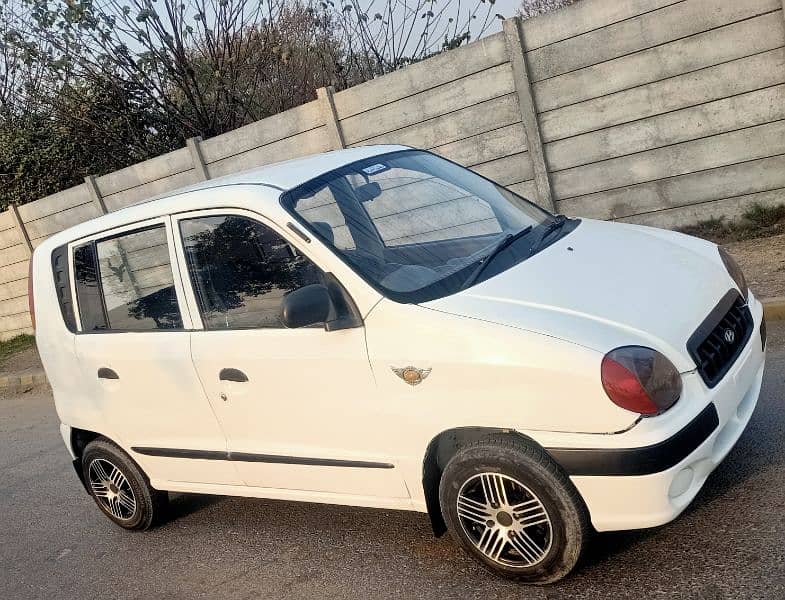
(134,352)
(299,406)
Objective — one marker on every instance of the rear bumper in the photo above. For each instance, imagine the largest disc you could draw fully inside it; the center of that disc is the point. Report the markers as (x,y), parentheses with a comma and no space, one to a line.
(627,489)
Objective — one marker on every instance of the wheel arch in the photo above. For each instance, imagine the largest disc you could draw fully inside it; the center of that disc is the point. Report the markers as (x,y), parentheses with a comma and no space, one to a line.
(439,452)
(79,439)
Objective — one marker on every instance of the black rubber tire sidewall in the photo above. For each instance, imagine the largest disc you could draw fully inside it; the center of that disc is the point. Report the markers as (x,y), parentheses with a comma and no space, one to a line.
(531,466)
(150,503)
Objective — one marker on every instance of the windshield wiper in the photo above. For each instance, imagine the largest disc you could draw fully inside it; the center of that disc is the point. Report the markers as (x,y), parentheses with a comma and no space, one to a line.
(555,225)
(500,246)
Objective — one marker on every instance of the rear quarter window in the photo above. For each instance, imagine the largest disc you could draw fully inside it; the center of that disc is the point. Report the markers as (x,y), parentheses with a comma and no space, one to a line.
(125,283)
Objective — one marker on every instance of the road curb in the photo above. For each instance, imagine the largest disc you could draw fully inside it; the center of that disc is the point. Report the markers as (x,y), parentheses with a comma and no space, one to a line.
(21,381)
(774,309)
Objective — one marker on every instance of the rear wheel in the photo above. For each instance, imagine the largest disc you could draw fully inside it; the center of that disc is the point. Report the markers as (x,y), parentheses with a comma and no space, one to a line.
(119,487)
(512,509)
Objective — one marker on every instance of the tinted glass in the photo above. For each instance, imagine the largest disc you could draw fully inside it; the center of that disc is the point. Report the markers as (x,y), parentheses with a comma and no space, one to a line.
(322,211)
(136,280)
(88,294)
(241,271)
(412,206)
(419,225)
(62,280)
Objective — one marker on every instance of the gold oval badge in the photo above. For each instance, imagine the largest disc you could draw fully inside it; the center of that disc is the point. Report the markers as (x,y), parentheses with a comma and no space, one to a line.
(411,375)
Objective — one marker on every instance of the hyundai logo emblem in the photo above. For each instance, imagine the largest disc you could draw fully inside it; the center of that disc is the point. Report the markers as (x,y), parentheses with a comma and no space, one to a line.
(730,336)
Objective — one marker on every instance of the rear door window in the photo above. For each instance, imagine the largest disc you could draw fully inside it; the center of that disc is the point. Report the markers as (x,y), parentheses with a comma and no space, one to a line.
(125,283)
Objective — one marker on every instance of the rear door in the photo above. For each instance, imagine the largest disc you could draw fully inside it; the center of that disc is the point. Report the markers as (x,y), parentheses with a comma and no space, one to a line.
(133,347)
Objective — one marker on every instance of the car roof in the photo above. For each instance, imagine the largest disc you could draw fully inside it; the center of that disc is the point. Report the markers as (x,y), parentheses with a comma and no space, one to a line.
(278,177)
(288,174)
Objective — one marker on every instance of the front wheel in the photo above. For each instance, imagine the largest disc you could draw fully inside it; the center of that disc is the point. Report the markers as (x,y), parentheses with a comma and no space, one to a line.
(512,509)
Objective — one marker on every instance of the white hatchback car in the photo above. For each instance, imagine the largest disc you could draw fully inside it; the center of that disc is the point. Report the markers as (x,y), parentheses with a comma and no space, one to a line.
(382,327)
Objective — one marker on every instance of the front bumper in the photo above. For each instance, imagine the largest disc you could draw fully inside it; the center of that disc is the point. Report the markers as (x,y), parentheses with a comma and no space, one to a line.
(635,501)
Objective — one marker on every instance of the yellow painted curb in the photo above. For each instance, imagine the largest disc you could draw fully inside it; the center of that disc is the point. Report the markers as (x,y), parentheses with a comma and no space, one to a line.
(22,381)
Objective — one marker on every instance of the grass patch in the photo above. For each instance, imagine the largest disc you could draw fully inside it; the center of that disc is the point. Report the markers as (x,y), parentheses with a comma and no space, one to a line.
(756,222)
(14,345)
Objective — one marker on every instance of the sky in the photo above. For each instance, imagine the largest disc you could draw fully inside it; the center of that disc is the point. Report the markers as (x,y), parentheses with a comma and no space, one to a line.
(506,8)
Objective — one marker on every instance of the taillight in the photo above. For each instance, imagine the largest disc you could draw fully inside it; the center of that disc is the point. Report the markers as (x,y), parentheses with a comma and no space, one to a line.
(640,379)
(30,299)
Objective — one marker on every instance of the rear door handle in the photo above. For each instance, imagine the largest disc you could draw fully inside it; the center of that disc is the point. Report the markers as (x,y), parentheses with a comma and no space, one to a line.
(107,373)
(232,375)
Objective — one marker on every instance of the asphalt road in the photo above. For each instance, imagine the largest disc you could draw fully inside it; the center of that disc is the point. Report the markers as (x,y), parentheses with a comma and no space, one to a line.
(54,543)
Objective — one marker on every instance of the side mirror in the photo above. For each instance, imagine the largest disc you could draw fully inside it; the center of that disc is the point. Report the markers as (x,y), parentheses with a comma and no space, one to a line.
(305,306)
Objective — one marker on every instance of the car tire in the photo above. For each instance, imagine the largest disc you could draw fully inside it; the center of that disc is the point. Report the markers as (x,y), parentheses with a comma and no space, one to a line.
(513,509)
(120,488)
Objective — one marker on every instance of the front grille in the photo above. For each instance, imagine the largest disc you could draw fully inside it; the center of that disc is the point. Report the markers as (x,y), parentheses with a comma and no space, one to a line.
(719,340)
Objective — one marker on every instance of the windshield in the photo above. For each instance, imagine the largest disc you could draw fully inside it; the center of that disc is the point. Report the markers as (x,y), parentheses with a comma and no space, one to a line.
(417,226)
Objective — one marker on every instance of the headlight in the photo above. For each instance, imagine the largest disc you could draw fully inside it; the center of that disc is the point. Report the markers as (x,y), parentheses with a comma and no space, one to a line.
(734,270)
(640,379)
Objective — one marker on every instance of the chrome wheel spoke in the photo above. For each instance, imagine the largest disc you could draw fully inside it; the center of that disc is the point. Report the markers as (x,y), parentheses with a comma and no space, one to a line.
(127,502)
(492,542)
(116,477)
(99,470)
(473,511)
(530,542)
(520,546)
(531,516)
(493,488)
(501,493)
(114,507)
(521,506)
(99,489)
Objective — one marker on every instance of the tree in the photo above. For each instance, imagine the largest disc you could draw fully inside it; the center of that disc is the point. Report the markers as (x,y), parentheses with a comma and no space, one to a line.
(20,77)
(213,65)
(208,66)
(380,36)
(96,128)
(88,89)
(532,8)
(55,128)
(101,84)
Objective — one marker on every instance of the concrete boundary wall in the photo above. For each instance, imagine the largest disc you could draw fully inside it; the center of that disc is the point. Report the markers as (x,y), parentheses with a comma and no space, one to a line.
(661,112)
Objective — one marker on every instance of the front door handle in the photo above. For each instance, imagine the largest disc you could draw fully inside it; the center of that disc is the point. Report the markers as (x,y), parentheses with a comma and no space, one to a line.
(107,373)
(232,375)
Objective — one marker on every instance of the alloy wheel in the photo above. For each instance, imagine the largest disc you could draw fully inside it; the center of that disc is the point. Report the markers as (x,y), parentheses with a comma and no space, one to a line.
(504,520)
(112,489)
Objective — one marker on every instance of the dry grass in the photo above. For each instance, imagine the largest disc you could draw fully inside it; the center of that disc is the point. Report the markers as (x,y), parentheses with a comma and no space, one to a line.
(756,222)
(15,344)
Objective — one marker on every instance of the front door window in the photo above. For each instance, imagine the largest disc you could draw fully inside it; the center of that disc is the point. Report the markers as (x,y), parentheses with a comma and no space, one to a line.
(241,270)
